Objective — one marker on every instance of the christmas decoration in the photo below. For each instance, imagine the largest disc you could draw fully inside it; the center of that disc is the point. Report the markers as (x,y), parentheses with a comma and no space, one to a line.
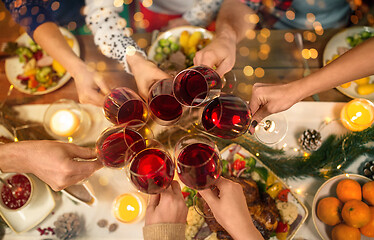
(369,169)
(310,140)
(68,226)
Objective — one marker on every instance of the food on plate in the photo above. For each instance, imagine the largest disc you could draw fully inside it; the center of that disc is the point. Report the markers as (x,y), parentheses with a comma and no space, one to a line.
(19,194)
(368,192)
(177,52)
(365,89)
(328,210)
(368,229)
(356,213)
(358,38)
(40,71)
(345,232)
(348,189)
(288,211)
(194,223)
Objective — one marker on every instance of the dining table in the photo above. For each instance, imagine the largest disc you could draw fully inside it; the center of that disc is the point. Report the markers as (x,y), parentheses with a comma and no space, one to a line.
(269,57)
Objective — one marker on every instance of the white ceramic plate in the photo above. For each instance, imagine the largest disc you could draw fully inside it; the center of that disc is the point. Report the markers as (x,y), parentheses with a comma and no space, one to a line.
(176,32)
(13,66)
(302,210)
(339,40)
(40,206)
(327,189)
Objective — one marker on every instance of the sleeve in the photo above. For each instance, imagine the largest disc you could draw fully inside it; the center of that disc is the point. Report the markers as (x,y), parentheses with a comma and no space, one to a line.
(30,14)
(110,32)
(203,12)
(164,231)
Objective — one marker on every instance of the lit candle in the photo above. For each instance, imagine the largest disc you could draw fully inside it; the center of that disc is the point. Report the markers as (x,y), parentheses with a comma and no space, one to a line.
(358,114)
(129,207)
(64,123)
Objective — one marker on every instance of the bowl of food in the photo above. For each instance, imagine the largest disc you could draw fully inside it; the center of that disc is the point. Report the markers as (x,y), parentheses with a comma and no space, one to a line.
(16,191)
(336,204)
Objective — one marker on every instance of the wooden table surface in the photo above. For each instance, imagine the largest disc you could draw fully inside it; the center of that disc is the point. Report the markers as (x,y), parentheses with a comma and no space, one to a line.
(282,64)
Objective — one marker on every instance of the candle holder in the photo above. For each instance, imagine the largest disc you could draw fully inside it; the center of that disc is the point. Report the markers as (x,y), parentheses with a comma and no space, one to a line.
(357,114)
(65,120)
(129,207)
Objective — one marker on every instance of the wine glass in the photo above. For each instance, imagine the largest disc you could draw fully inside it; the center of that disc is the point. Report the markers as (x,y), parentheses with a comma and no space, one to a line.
(228,116)
(113,142)
(196,85)
(122,105)
(151,169)
(164,108)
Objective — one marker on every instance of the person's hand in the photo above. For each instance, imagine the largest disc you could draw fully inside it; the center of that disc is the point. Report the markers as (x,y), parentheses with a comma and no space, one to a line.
(90,86)
(167,207)
(271,98)
(220,53)
(230,209)
(51,161)
(176,22)
(145,73)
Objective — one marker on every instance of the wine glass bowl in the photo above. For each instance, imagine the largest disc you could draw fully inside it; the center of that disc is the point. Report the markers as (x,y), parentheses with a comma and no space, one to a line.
(122,105)
(151,169)
(164,108)
(272,129)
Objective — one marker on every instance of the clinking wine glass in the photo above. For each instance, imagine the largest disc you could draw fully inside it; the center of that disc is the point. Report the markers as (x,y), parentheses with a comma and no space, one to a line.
(198,164)
(113,142)
(164,108)
(151,169)
(197,85)
(122,105)
(228,116)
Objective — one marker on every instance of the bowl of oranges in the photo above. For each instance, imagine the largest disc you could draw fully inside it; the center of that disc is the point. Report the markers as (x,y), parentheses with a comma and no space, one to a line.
(343,208)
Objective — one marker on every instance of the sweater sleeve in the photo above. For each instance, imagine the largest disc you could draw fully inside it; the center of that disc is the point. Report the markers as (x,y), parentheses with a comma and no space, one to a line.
(30,14)
(110,32)
(203,12)
(164,231)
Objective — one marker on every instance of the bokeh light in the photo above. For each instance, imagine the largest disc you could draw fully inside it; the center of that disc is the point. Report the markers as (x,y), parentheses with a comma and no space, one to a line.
(289,37)
(121,23)
(305,53)
(262,55)
(261,39)
(101,66)
(138,16)
(265,48)
(259,72)
(265,32)
(354,19)
(127,2)
(313,53)
(117,3)
(253,18)
(290,15)
(248,71)
(130,50)
(310,17)
(147,3)
(72,26)
(142,42)
(244,51)
(55,6)
(250,34)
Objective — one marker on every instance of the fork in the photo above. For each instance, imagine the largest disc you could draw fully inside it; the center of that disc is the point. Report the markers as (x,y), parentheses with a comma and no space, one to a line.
(300,46)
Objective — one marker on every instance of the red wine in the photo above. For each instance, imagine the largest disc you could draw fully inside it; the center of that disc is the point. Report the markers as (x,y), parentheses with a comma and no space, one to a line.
(119,107)
(112,150)
(226,116)
(22,193)
(166,107)
(192,86)
(199,166)
(152,170)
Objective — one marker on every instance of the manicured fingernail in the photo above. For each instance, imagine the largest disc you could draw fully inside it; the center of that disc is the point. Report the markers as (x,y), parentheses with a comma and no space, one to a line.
(254,123)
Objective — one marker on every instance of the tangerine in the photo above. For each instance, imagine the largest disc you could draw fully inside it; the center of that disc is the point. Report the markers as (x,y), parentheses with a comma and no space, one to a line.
(328,210)
(345,232)
(356,213)
(368,192)
(368,229)
(348,189)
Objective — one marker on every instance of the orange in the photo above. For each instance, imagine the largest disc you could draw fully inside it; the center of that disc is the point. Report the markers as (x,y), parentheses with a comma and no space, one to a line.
(368,192)
(328,210)
(368,229)
(348,189)
(356,213)
(345,232)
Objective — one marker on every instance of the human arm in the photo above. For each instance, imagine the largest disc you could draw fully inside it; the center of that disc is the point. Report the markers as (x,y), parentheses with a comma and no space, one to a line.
(166,215)
(51,161)
(230,210)
(231,27)
(272,98)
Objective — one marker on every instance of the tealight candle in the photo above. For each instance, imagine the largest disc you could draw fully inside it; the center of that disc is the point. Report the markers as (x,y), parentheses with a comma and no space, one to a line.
(64,123)
(357,114)
(129,207)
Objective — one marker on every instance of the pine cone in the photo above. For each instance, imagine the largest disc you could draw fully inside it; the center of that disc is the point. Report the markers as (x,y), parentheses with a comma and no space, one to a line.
(369,169)
(310,140)
(68,226)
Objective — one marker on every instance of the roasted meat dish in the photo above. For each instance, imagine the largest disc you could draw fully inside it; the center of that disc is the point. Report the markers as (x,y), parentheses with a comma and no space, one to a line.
(261,206)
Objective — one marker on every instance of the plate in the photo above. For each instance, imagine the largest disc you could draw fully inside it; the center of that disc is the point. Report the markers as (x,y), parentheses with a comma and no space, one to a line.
(302,210)
(40,206)
(327,189)
(176,32)
(339,40)
(14,67)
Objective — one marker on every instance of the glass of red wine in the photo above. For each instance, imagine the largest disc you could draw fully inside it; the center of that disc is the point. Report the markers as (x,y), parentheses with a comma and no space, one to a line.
(151,169)
(164,108)
(195,86)
(113,143)
(122,105)
(228,116)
